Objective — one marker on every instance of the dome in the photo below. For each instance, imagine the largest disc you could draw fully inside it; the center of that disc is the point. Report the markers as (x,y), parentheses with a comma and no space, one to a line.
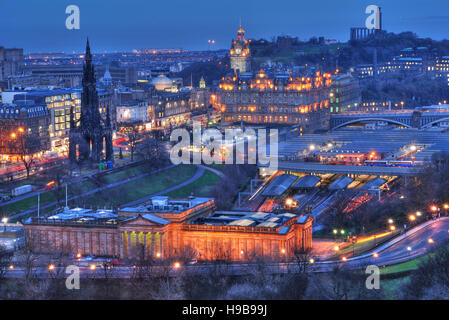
(161,83)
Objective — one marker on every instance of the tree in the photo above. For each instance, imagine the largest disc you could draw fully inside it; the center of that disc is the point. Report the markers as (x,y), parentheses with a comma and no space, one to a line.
(24,144)
(152,150)
(133,140)
(5,261)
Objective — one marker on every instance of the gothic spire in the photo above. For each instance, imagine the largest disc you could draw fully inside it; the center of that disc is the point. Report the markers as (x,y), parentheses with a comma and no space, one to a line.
(88,55)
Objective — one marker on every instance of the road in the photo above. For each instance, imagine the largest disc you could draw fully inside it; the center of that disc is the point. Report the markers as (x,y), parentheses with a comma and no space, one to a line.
(392,252)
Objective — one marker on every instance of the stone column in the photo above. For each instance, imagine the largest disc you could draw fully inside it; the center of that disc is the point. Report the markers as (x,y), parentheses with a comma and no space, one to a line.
(129,245)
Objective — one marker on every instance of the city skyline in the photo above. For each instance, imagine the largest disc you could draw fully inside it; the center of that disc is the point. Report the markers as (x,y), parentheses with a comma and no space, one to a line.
(189,25)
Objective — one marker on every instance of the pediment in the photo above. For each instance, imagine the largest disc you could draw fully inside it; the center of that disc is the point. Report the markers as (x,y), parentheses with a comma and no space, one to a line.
(140,221)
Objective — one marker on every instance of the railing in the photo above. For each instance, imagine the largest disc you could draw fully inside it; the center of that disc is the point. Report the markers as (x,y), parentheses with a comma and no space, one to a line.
(214,228)
(78,223)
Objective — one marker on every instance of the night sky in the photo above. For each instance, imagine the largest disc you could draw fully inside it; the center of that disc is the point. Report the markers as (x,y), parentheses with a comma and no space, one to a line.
(117,25)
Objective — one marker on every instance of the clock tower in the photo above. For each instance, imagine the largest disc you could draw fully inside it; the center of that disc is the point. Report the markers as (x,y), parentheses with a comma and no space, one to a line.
(240,53)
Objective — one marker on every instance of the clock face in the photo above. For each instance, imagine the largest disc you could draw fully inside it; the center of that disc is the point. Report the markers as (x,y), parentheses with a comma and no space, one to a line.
(238,50)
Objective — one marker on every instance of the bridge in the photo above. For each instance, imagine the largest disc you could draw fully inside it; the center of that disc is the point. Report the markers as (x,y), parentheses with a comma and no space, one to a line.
(423,118)
(311,167)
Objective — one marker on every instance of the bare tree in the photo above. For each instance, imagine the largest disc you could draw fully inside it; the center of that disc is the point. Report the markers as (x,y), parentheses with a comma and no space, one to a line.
(24,145)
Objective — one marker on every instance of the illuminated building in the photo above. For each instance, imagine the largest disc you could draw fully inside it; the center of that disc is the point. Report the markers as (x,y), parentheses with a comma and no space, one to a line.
(58,103)
(169,109)
(276,99)
(344,93)
(23,130)
(166,228)
(240,54)
(133,112)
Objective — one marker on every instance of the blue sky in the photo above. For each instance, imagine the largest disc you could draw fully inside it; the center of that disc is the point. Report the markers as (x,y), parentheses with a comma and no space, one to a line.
(39,25)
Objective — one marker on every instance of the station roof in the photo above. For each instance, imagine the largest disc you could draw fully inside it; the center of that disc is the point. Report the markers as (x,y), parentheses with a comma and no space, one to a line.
(279,185)
(307,182)
(375,183)
(341,183)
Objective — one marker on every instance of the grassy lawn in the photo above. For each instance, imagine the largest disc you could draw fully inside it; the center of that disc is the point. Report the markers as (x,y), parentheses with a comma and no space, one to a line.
(200,188)
(402,267)
(139,188)
(126,173)
(390,287)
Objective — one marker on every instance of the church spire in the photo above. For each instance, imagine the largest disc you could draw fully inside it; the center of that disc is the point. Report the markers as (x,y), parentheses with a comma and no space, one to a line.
(88,55)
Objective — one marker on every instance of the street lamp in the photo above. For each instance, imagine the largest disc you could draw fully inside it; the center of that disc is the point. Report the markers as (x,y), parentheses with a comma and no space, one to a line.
(430,241)
(4,221)
(446,208)
(435,209)
(390,221)
(176,265)
(412,217)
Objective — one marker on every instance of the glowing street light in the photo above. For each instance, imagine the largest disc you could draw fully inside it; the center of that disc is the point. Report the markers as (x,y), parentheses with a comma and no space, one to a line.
(412,217)
(392,228)
(335,231)
(413,148)
(312,147)
(434,208)
(158,255)
(342,231)
(390,221)
(289,202)
(51,267)
(11,267)
(78,255)
(5,220)
(418,213)
(430,241)
(176,265)
(409,248)
(446,206)
(92,267)
(336,248)
(375,255)
(344,259)
(13,135)
(283,251)
(311,260)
